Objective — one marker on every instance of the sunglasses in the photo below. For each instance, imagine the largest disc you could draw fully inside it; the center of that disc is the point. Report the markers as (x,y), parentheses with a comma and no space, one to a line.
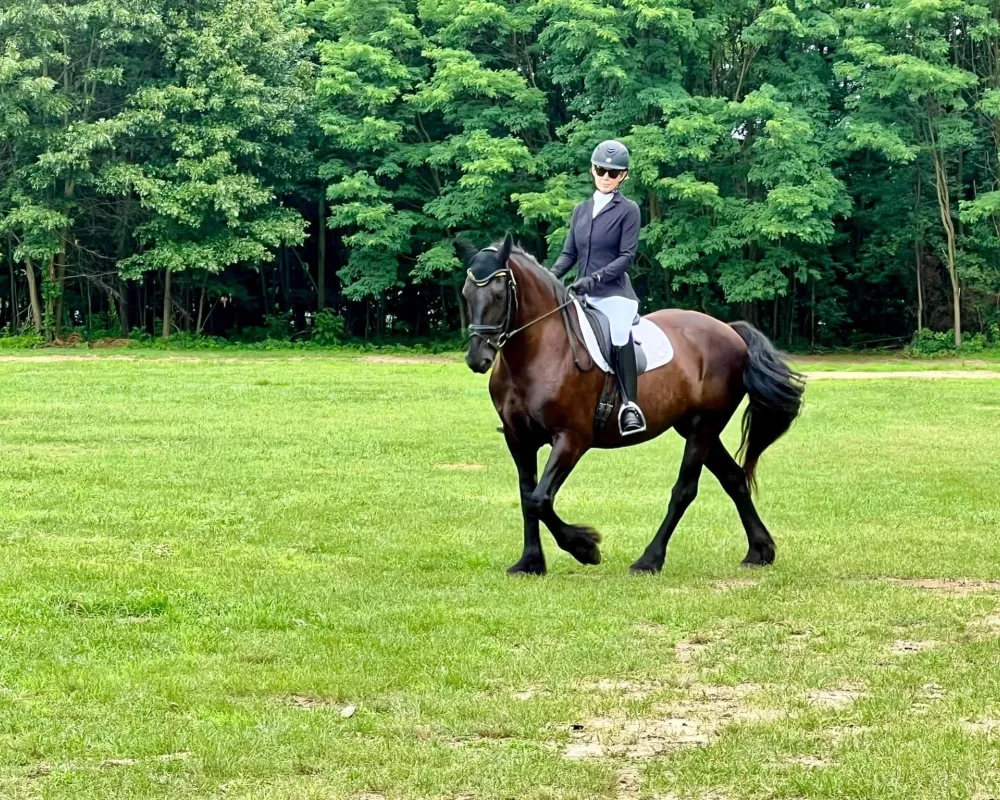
(614,174)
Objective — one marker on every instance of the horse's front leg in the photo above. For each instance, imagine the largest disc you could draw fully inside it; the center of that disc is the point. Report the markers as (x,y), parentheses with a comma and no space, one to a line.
(577,540)
(532,561)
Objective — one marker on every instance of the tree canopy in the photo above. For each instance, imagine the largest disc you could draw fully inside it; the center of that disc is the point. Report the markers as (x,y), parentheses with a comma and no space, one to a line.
(829,170)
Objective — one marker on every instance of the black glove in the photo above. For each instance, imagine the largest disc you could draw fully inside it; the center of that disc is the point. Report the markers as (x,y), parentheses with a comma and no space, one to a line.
(584,285)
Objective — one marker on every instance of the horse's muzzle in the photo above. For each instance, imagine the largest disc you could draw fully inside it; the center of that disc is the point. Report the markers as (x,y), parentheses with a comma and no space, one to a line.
(480,364)
(480,358)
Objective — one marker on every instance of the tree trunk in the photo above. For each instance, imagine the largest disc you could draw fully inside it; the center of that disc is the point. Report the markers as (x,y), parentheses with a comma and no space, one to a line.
(791,315)
(166,303)
(123,315)
(60,282)
(321,256)
(812,311)
(69,190)
(50,282)
(285,278)
(201,307)
(918,254)
(14,310)
(36,304)
(944,206)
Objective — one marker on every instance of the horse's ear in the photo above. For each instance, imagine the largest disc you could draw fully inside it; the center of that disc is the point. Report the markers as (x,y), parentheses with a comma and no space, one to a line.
(465,251)
(505,248)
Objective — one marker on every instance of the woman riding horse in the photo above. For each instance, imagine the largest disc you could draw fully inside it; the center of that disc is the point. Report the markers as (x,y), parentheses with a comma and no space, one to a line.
(602,242)
(521,327)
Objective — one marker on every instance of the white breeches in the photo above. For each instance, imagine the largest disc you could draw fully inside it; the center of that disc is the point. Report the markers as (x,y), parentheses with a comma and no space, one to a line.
(621,312)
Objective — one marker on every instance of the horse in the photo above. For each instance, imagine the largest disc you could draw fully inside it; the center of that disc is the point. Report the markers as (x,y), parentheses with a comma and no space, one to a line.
(521,326)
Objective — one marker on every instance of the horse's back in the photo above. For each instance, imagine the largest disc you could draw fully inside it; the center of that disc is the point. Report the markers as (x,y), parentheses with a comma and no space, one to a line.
(698,331)
(708,352)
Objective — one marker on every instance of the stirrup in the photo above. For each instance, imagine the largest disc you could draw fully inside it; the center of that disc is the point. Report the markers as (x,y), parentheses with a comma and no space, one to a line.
(630,406)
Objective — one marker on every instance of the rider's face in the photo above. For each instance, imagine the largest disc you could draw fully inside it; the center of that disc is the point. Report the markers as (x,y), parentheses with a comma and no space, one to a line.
(609,181)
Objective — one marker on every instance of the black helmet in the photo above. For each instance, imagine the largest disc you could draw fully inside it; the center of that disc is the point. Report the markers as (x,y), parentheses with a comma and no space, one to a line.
(611,154)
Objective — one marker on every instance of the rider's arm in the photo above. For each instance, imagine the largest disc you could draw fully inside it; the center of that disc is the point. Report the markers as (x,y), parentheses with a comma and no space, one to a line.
(626,250)
(567,258)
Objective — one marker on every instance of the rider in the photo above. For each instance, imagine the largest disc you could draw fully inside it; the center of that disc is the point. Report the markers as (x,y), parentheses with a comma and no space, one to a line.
(602,241)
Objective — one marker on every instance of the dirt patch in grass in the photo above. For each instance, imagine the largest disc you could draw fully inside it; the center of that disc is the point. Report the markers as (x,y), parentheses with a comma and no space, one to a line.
(688,651)
(971,374)
(991,622)
(834,698)
(311,701)
(983,726)
(690,722)
(841,732)
(407,360)
(460,467)
(932,691)
(111,763)
(809,762)
(628,783)
(902,647)
(632,738)
(632,690)
(732,584)
(960,586)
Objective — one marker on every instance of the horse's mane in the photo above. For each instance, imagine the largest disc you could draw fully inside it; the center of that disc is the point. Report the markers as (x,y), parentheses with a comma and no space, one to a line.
(530,263)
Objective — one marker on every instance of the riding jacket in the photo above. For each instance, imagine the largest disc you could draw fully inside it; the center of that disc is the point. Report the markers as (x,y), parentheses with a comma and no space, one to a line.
(603,246)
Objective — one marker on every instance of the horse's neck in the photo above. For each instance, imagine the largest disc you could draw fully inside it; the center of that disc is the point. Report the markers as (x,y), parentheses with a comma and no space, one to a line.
(537,308)
(535,297)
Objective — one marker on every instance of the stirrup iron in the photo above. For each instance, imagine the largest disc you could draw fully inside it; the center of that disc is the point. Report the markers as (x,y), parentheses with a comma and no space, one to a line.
(630,406)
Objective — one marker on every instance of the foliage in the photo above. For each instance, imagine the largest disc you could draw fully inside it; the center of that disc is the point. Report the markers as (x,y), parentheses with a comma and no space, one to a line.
(830,171)
(328,328)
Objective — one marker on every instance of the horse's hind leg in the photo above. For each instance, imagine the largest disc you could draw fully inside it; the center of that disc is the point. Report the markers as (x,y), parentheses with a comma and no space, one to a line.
(734,481)
(699,445)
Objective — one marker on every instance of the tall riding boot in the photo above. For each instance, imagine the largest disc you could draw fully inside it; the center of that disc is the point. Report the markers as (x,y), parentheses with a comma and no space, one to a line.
(630,418)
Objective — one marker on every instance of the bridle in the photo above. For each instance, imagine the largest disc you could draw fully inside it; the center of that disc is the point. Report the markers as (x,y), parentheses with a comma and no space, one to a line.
(503,330)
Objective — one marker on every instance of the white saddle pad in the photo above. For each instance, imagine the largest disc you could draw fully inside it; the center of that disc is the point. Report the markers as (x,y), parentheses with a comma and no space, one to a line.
(654,341)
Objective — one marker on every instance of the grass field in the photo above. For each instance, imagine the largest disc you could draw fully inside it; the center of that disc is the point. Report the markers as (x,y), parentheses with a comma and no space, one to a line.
(284,578)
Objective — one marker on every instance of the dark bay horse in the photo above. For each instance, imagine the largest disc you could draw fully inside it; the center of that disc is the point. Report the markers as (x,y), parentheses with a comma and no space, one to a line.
(544,395)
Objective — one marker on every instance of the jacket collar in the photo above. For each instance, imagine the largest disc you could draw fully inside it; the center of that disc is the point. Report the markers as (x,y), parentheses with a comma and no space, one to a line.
(616,198)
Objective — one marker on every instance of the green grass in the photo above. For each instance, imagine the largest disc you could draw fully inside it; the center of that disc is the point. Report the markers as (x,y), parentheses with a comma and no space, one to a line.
(208,559)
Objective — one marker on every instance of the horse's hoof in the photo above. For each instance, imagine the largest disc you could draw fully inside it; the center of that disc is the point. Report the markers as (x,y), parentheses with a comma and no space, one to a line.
(758,558)
(529,567)
(581,543)
(641,567)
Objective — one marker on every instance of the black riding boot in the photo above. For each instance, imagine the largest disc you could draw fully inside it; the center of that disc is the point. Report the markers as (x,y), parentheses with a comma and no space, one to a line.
(630,418)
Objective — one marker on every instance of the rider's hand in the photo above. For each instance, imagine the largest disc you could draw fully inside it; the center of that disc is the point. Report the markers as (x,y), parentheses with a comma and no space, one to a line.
(584,285)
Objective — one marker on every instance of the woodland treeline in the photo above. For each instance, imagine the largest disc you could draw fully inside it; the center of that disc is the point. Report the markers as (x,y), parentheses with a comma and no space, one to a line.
(272,168)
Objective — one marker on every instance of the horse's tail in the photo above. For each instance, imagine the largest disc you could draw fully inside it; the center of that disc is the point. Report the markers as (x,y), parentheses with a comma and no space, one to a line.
(775,392)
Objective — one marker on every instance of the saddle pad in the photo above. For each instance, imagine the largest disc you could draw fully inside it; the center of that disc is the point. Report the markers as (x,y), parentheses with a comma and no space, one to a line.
(654,341)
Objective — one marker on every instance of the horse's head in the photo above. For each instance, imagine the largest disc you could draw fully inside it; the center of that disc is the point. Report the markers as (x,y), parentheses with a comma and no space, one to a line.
(491,294)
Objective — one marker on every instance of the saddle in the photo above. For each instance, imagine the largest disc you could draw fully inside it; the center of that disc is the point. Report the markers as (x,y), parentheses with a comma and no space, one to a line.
(601,326)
